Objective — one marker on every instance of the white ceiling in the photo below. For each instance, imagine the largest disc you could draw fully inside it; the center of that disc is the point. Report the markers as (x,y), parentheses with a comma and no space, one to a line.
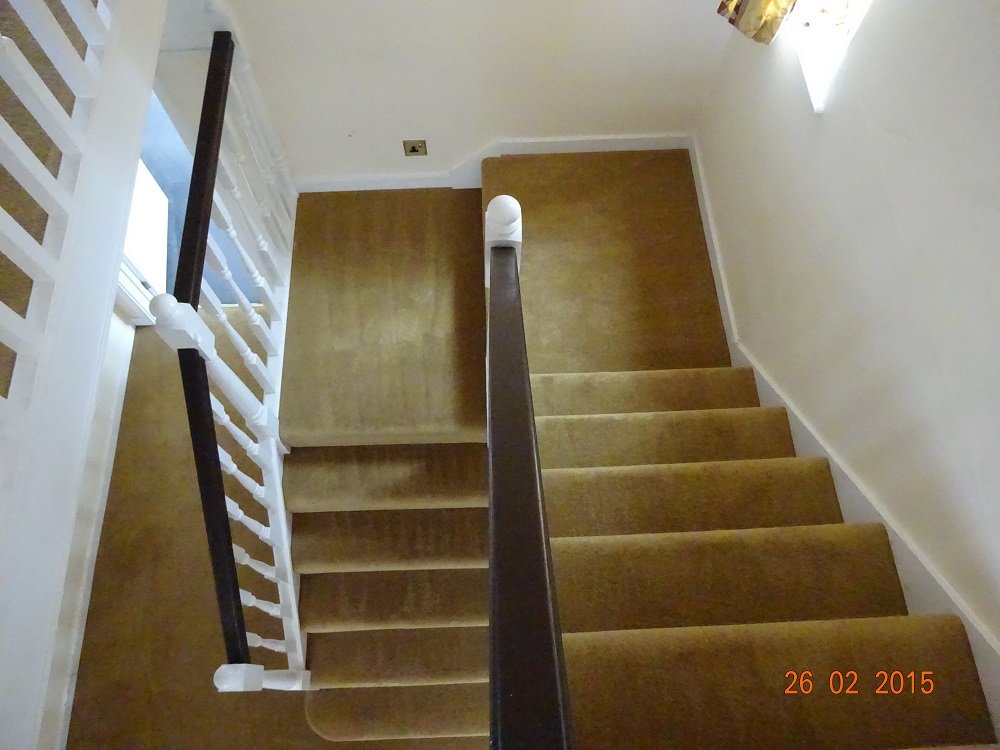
(345,81)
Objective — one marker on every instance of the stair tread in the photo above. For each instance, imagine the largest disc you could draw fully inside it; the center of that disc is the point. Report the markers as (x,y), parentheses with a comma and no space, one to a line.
(690,497)
(388,713)
(399,657)
(643,390)
(725,577)
(712,687)
(389,540)
(337,602)
(663,437)
(385,477)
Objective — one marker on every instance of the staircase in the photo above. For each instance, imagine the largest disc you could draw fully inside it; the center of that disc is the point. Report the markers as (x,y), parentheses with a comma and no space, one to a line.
(710,594)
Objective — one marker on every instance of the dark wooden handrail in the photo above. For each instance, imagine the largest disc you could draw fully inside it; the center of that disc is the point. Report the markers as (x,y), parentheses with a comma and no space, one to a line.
(194,374)
(530,707)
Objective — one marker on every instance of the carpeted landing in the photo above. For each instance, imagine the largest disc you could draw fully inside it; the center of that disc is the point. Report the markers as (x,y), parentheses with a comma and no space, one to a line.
(710,594)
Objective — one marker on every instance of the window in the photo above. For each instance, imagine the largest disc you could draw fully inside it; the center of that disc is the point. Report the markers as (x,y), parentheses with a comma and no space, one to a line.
(822,30)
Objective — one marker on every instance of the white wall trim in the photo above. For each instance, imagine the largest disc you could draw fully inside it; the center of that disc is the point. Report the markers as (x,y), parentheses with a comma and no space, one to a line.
(925,586)
(468,174)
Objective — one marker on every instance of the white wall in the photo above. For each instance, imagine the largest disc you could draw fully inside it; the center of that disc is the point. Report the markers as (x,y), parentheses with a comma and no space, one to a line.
(860,252)
(346,82)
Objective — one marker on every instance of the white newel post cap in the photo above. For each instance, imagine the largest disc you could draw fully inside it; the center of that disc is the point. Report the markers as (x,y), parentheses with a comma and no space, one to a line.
(180,325)
(503,228)
(239,678)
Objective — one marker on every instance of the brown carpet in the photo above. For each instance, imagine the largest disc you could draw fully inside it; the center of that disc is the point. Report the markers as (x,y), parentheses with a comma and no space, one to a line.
(697,559)
(386,326)
(615,273)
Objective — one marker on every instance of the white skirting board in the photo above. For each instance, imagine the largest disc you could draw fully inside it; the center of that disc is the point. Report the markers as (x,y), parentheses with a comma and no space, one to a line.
(926,589)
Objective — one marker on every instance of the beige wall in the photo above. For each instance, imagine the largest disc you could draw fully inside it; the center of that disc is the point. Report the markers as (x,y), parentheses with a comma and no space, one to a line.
(860,250)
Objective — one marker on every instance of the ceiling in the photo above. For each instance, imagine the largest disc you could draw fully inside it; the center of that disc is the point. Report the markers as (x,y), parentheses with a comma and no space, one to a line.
(345,81)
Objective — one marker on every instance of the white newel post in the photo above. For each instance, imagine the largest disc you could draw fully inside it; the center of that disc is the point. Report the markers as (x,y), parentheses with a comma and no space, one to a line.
(502,228)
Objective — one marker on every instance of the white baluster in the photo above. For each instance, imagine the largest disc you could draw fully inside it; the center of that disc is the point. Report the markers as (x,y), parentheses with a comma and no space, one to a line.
(36,97)
(15,332)
(49,34)
(255,641)
(182,328)
(31,174)
(247,216)
(217,262)
(268,608)
(255,527)
(21,248)
(224,220)
(253,363)
(229,466)
(89,22)
(243,558)
(242,439)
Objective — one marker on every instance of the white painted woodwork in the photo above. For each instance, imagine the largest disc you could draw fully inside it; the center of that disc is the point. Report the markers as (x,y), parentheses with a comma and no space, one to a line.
(15,333)
(217,262)
(246,482)
(502,228)
(234,226)
(32,175)
(242,439)
(52,39)
(241,678)
(255,641)
(30,89)
(47,467)
(269,608)
(253,363)
(88,21)
(244,218)
(243,558)
(253,526)
(21,248)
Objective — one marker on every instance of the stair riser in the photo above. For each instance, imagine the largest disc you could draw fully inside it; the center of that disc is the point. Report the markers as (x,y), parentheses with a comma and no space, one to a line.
(663,438)
(399,657)
(654,390)
(690,497)
(725,577)
(339,602)
(399,713)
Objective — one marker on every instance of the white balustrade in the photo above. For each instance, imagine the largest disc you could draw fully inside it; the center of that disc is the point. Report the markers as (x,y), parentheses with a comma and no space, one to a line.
(224,219)
(269,608)
(46,30)
(22,249)
(181,327)
(244,220)
(267,571)
(32,175)
(252,525)
(36,97)
(15,332)
(222,419)
(255,641)
(253,362)
(88,21)
(229,466)
(216,260)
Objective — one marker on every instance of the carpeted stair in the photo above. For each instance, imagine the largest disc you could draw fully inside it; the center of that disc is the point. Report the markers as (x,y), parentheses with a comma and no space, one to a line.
(698,561)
